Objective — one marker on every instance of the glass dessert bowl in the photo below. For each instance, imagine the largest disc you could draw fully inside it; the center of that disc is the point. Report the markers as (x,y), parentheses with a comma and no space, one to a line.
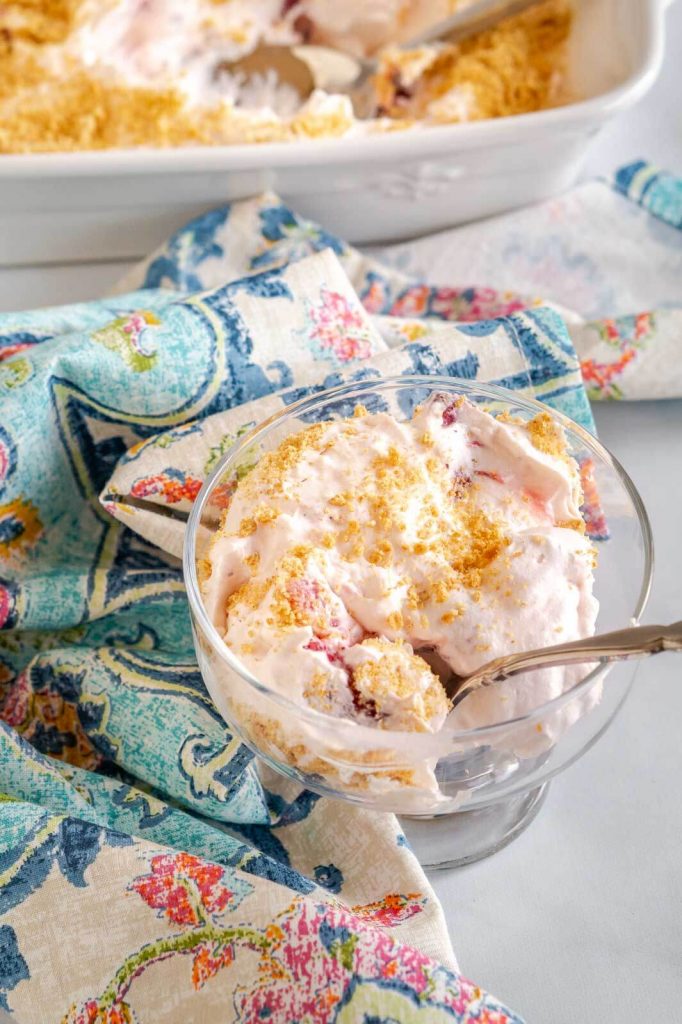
(465,791)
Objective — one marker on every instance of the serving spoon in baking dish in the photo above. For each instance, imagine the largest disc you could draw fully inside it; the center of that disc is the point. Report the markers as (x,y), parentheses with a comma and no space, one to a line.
(633,642)
(307,67)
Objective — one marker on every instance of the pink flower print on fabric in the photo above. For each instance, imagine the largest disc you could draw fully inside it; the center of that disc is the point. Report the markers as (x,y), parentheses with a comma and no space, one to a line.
(413,301)
(92,1012)
(457,304)
(443,303)
(392,910)
(9,592)
(322,955)
(600,377)
(208,960)
(312,959)
(627,336)
(468,304)
(177,881)
(336,332)
(171,485)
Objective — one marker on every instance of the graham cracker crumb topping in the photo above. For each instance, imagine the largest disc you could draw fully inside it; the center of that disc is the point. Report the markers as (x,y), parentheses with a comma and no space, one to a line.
(52,100)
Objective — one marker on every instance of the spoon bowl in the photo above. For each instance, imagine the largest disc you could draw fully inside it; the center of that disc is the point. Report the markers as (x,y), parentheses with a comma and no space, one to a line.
(310,66)
(634,642)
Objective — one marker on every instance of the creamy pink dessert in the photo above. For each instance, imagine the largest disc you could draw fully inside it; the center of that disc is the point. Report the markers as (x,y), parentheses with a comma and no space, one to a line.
(102,74)
(365,558)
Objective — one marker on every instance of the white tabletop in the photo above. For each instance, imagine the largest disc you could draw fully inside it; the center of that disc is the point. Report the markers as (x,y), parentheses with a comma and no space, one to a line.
(580,919)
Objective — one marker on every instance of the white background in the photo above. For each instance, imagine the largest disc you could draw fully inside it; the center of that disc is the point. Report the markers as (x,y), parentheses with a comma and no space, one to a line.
(580,919)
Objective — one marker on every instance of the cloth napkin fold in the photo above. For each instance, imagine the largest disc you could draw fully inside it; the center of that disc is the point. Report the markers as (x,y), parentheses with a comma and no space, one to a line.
(327,342)
(139,839)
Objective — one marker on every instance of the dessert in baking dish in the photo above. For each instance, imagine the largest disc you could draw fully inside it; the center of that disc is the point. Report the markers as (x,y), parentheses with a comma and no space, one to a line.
(97,74)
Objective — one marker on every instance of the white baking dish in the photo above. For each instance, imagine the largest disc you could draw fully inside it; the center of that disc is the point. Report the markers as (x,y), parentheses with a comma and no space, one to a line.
(104,205)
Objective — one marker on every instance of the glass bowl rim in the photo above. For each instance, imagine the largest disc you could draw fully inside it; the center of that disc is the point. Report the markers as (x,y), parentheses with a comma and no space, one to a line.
(403,381)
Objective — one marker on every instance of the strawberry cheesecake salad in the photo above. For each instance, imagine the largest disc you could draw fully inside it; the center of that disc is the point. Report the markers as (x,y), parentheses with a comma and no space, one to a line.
(102,74)
(365,559)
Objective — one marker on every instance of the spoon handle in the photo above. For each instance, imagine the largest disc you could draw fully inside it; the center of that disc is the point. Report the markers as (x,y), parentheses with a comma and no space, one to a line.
(634,642)
(147,506)
(476,17)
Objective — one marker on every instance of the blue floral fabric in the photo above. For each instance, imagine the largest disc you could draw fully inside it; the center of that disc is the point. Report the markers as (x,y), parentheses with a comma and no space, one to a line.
(123,794)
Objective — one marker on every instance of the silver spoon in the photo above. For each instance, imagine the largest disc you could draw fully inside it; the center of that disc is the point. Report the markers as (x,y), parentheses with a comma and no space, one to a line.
(307,67)
(634,642)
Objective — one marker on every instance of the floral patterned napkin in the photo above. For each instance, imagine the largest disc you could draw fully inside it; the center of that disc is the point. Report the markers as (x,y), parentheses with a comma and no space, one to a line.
(139,841)
(607,255)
